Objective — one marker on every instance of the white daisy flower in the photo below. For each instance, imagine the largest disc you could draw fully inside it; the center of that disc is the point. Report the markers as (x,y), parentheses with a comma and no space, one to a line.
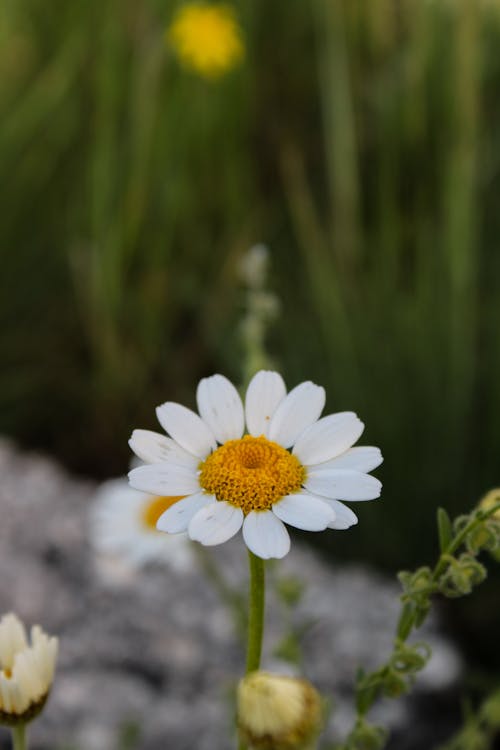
(26,670)
(291,467)
(123,524)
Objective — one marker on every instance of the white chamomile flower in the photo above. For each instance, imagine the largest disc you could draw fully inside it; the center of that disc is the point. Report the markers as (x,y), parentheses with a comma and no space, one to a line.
(123,523)
(291,467)
(26,670)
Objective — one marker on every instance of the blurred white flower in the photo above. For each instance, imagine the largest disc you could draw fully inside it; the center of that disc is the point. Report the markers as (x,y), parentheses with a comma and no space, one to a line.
(26,670)
(123,524)
(291,467)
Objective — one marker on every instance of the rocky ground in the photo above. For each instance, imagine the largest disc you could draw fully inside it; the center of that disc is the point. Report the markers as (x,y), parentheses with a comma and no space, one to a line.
(152,655)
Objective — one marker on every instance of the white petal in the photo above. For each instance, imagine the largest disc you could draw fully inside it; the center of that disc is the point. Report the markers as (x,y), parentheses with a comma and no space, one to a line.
(304,511)
(265,535)
(154,448)
(177,517)
(186,428)
(166,480)
(328,437)
(215,523)
(220,408)
(265,391)
(298,410)
(12,639)
(344,517)
(6,702)
(363,458)
(343,484)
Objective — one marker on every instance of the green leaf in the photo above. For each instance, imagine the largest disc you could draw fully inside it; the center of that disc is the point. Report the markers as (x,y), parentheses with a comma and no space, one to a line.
(406,621)
(445,529)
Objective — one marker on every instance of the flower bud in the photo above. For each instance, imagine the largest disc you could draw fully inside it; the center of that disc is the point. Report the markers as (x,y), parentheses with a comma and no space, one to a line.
(462,575)
(254,266)
(26,670)
(489,501)
(277,712)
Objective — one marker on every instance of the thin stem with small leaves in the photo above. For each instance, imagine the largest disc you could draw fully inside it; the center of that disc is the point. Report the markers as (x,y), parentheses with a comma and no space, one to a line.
(412,616)
(445,555)
(460,539)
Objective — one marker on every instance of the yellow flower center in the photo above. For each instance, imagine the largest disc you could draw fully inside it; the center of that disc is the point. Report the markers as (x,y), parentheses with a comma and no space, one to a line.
(251,473)
(154,508)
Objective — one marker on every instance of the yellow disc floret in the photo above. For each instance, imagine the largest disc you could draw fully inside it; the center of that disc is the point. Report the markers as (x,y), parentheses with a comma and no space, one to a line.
(251,473)
(154,507)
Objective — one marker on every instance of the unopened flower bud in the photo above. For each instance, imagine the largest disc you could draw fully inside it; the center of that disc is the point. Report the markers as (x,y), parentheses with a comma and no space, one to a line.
(26,670)
(278,713)
(482,537)
(462,575)
(253,266)
(489,501)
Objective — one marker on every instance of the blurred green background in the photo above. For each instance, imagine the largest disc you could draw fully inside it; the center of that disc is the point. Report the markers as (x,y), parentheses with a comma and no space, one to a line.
(359,139)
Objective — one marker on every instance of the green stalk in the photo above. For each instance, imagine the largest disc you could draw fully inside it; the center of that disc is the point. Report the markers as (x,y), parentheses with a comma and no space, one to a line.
(255,617)
(19,737)
(341,148)
(460,539)
(255,612)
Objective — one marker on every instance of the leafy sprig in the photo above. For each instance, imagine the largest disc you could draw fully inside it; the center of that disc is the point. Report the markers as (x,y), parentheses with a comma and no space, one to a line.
(456,572)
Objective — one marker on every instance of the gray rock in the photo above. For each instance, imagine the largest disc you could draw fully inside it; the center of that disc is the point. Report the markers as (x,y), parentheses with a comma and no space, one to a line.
(156,648)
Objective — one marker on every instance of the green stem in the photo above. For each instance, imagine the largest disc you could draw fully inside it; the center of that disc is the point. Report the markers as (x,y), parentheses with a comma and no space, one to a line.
(255,617)
(19,741)
(255,612)
(460,539)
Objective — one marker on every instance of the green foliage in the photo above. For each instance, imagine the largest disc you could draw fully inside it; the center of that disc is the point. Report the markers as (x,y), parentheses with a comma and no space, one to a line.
(129,736)
(480,727)
(365,736)
(444,528)
(455,574)
(290,590)
(288,649)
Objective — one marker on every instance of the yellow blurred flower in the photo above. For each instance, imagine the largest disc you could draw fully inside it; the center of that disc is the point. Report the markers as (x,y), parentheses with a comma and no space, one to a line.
(207,38)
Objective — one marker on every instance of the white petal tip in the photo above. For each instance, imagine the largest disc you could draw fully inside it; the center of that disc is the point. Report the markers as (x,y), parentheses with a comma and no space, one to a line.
(341,525)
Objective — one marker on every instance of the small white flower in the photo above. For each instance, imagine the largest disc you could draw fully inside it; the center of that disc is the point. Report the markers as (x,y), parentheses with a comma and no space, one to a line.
(290,467)
(123,523)
(26,670)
